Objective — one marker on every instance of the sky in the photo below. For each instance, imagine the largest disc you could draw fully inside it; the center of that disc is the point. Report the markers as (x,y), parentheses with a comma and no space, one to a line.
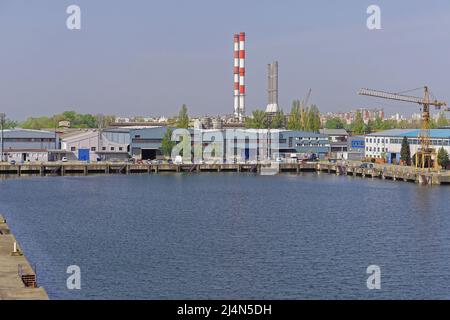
(145,57)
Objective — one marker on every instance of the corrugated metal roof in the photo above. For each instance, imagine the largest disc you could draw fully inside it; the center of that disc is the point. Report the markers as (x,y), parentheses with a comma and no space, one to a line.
(334,132)
(27,133)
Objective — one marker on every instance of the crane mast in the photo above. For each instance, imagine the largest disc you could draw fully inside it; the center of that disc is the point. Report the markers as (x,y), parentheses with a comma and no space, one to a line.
(425,153)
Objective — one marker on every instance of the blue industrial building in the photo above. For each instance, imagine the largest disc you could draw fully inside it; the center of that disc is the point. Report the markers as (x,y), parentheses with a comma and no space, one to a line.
(145,143)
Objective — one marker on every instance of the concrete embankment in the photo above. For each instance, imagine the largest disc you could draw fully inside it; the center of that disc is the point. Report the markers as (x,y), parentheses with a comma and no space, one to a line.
(350,168)
(17,278)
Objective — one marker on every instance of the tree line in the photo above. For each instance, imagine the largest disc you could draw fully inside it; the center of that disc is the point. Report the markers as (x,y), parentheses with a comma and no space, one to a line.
(359,127)
(49,122)
(300,118)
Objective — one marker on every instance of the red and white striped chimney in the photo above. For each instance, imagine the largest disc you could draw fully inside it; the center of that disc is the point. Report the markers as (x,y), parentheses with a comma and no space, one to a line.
(241,75)
(236,75)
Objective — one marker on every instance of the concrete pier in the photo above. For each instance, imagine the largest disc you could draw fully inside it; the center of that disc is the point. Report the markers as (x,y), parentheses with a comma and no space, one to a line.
(17,279)
(353,168)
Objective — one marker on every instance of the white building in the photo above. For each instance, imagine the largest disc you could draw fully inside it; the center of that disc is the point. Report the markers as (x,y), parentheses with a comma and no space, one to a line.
(25,145)
(90,145)
(388,144)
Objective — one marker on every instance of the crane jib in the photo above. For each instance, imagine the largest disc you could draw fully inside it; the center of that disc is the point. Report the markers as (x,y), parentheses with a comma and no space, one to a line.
(398,97)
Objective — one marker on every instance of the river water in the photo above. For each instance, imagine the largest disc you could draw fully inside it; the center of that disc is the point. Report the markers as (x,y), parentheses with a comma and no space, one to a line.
(232,236)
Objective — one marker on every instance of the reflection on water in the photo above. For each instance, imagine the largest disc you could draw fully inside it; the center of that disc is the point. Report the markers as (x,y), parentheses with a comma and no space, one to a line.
(232,235)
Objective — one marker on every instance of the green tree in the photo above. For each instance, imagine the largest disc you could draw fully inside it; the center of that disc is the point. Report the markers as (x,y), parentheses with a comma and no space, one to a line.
(183,118)
(257,121)
(76,121)
(313,119)
(334,123)
(378,124)
(167,144)
(358,126)
(442,158)
(442,120)
(294,119)
(277,120)
(405,152)
(38,123)
(9,124)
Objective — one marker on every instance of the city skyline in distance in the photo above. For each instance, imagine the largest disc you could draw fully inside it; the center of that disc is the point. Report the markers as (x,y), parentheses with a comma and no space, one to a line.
(149,58)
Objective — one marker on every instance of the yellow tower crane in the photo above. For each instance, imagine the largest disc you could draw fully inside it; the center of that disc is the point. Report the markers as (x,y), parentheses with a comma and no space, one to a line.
(425,153)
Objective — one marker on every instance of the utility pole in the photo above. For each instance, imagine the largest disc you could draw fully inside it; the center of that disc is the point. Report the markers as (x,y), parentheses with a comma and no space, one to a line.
(2,120)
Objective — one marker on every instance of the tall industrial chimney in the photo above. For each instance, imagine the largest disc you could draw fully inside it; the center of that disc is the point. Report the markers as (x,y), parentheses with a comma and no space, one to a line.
(239,76)
(272,87)
(236,76)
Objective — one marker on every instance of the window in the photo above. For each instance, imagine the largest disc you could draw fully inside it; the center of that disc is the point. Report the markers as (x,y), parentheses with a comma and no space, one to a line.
(93,149)
(104,148)
(112,148)
(120,148)
(73,148)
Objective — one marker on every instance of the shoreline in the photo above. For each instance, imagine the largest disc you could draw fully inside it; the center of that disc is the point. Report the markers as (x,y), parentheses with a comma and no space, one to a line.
(18,280)
(348,168)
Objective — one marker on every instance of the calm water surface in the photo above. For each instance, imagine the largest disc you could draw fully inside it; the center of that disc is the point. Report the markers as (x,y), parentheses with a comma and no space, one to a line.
(232,236)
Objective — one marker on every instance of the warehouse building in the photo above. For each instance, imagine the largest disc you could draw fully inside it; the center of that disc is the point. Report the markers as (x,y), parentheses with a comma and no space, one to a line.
(146,142)
(356,146)
(25,145)
(95,145)
(387,144)
(338,139)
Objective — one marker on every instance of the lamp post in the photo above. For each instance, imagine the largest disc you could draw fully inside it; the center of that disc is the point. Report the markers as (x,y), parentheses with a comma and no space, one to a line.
(2,121)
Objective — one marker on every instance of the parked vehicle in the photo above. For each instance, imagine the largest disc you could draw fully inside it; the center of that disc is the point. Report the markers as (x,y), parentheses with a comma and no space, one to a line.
(12,162)
(367,165)
(178,160)
(64,159)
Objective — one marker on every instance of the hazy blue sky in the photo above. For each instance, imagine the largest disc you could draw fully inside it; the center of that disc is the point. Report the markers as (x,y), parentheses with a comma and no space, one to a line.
(143,57)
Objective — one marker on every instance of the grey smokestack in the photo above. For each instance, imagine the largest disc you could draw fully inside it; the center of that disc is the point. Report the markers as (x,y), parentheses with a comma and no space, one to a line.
(272,87)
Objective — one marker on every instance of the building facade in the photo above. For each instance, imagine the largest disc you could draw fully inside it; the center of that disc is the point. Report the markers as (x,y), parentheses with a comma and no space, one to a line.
(24,145)
(247,143)
(95,145)
(387,144)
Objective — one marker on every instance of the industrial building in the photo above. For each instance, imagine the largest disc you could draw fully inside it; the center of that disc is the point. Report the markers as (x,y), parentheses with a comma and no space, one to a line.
(338,142)
(24,145)
(95,145)
(387,144)
(146,142)
(355,148)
